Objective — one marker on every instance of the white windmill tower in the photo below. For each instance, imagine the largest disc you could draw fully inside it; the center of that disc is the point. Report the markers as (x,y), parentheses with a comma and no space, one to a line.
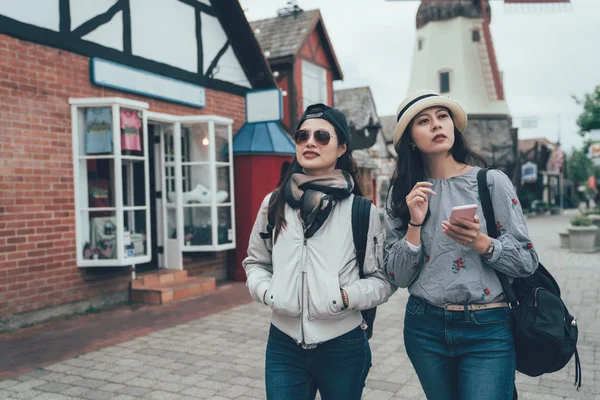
(454,55)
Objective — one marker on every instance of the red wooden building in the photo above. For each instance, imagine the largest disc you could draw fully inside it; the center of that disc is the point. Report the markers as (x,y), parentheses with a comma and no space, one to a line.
(301,56)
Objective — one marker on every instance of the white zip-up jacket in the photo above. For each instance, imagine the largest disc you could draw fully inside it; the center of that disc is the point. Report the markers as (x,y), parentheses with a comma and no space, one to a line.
(300,279)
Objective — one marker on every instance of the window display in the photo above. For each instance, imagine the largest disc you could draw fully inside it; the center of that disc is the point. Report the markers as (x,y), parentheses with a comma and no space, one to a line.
(98,130)
(198,180)
(112,211)
(130,130)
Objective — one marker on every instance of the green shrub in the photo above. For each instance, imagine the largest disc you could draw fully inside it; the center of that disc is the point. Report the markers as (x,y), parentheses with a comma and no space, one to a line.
(581,220)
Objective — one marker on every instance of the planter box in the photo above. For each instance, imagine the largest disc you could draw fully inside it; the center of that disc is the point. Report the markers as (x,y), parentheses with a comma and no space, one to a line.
(596,220)
(582,239)
(564,239)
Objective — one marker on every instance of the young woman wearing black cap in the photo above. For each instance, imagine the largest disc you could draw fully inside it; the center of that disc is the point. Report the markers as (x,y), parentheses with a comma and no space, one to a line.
(304,267)
(457,328)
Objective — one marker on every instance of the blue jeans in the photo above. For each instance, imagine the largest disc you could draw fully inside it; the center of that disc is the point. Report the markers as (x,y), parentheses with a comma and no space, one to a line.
(338,368)
(466,355)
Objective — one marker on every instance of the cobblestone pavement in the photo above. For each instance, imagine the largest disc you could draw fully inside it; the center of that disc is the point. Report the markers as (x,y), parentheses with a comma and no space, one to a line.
(222,356)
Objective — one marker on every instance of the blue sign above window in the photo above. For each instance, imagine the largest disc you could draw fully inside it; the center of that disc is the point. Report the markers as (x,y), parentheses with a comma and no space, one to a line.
(122,77)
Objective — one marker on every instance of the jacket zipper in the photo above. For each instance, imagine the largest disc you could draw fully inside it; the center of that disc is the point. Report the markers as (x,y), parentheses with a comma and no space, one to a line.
(302,265)
(375,252)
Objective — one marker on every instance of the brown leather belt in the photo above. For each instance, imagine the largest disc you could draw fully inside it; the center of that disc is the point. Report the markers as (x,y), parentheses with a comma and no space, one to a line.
(471,307)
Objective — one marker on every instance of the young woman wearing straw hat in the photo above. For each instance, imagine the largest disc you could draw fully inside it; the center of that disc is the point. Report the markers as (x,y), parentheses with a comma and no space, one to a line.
(457,329)
(304,268)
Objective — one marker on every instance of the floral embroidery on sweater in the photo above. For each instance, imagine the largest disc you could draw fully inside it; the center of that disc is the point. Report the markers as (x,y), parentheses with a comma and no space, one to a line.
(458,264)
(486,292)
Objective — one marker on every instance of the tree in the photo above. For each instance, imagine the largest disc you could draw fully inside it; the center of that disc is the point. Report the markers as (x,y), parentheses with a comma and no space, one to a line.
(579,166)
(590,118)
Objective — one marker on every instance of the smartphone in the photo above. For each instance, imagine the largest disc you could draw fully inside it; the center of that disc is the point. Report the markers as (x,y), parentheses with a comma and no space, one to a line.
(467,212)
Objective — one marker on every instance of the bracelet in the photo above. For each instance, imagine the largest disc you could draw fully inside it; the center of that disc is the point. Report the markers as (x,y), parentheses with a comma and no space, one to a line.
(344,298)
(417,225)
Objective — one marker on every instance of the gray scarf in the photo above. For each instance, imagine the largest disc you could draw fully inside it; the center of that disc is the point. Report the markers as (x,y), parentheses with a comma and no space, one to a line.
(315,196)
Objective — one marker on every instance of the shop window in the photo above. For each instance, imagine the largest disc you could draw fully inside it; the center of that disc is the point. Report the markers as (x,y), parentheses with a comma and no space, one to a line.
(110,161)
(198,184)
(314,84)
(192,175)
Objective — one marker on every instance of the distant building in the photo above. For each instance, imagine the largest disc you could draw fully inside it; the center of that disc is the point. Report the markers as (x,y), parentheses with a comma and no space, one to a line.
(368,142)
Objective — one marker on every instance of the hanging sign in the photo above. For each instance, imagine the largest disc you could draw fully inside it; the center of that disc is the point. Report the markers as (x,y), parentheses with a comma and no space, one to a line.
(529,172)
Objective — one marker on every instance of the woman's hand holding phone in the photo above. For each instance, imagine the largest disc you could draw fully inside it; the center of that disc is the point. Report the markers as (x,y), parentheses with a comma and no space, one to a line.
(464,227)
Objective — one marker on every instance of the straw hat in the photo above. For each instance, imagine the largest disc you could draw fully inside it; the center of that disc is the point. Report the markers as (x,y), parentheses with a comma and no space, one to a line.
(417,101)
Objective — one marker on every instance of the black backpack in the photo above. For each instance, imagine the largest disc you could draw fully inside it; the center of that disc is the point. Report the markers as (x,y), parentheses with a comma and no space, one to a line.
(545,333)
(361,212)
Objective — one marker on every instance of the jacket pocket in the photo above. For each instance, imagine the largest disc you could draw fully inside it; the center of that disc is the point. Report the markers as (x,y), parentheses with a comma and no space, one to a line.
(374,254)
(284,297)
(324,297)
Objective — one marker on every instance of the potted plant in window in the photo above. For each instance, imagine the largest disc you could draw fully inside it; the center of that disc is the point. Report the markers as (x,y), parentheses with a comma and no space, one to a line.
(582,234)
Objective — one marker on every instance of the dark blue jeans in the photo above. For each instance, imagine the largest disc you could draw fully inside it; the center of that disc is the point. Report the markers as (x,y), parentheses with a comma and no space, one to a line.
(338,368)
(464,355)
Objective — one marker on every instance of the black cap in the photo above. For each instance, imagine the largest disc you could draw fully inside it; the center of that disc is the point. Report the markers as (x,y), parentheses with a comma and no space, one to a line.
(331,115)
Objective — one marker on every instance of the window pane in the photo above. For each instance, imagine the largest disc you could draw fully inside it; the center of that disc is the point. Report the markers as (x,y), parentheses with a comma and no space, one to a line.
(99,236)
(197,226)
(222,143)
(444,82)
(96,131)
(195,146)
(196,184)
(314,84)
(134,183)
(97,185)
(134,238)
(131,132)
(225,231)
(223,185)
(476,35)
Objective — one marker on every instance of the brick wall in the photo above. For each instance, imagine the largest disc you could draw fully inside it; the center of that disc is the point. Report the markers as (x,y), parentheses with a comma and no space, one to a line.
(37,218)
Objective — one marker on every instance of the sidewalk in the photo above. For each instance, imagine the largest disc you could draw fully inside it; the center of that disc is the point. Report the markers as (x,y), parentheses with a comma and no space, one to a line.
(180,352)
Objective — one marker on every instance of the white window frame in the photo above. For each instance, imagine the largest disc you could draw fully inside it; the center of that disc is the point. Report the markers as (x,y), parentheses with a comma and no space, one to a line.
(317,75)
(178,163)
(115,103)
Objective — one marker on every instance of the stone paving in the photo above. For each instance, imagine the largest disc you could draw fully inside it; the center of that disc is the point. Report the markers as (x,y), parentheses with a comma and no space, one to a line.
(222,356)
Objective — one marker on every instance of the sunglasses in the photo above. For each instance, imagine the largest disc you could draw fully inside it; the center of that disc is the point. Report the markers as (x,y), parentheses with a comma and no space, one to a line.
(322,137)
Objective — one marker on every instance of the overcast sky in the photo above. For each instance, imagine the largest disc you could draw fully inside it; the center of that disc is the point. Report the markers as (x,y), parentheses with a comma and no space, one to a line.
(546,56)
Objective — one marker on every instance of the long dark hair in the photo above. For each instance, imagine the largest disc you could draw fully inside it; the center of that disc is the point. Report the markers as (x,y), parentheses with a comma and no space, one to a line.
(410,170)
(277,209)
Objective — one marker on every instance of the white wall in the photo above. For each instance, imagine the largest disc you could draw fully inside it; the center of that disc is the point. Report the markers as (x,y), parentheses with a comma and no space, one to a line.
(448,45)
(42,13)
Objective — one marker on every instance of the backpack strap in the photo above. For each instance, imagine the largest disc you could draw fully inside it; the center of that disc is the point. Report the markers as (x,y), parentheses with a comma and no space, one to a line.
(490,220)
(361,213)
(268,233)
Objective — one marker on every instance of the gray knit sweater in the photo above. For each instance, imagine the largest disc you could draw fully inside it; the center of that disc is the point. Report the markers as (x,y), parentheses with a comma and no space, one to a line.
(442,271)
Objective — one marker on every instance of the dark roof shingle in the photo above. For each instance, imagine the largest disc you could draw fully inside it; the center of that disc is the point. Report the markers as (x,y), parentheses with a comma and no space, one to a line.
(282,36)
(388,124)
(357,104)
